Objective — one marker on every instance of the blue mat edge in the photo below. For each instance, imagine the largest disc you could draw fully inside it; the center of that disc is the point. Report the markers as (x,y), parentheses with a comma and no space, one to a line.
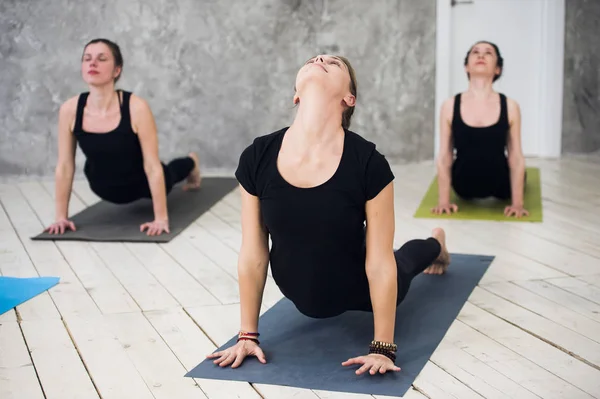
(44,283)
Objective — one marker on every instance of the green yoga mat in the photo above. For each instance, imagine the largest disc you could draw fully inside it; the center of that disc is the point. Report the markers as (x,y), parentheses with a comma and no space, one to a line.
(487,209)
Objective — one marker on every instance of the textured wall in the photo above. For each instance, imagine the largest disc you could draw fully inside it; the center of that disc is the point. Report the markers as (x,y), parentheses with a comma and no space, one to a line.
(216,73)
(581,115)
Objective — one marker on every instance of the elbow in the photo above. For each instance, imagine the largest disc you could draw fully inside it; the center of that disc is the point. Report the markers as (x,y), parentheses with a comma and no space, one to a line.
(382,271)
(253,259)
(64,170)
(153,170)
(516,161)
(444,161)
(253,267)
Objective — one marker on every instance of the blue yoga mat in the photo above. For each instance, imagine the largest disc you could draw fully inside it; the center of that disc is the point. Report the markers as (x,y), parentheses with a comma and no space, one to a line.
(307,353)
(14,291)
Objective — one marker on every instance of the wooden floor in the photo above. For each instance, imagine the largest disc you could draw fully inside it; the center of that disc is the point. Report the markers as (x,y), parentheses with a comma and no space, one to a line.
(128,320)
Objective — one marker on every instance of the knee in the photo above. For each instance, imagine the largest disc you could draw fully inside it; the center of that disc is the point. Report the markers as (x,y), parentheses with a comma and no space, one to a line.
(460,188)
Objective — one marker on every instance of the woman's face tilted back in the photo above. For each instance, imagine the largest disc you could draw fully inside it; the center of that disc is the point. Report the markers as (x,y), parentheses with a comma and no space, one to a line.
(483,61)
(335,77)
(98,66)
(326,71)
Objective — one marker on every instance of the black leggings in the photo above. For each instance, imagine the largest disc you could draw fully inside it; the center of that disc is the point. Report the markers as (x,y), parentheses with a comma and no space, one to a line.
(469,184)
(177,170)
(411,259)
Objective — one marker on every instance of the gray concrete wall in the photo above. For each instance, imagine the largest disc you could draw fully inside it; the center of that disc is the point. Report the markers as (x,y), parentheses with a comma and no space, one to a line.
(581,107)
(216,73)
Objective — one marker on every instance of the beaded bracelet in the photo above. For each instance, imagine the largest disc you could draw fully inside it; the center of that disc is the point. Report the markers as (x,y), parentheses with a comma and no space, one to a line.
(250,334)
(257,342)
(383,348)
(384,345)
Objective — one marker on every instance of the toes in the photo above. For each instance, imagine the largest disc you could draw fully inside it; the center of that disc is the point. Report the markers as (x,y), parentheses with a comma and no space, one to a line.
(191,186)
(435,269)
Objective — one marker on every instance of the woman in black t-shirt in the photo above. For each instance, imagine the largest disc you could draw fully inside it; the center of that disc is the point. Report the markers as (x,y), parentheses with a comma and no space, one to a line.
(311,188)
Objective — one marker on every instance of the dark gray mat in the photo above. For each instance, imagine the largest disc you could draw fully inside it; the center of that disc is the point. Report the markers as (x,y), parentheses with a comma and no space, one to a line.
(104,221)
(307,353)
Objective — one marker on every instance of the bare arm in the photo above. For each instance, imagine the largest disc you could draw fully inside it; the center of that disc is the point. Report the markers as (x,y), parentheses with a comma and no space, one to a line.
(516,160)
(445,156)
(145,127)
(252,274)
(381,266)
(253,262)
(65,167)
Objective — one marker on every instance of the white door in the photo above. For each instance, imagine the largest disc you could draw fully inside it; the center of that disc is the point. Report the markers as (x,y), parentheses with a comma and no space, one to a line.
(526,33)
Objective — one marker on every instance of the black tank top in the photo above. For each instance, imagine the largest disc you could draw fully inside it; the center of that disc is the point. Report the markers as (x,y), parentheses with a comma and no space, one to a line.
(113,158)
(480,146)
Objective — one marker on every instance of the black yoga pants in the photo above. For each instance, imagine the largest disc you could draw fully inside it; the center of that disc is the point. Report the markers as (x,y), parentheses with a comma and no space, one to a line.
(411,259)
(177,170)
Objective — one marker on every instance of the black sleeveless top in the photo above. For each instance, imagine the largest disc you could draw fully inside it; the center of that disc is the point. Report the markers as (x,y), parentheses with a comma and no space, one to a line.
(113,158)
(480,146)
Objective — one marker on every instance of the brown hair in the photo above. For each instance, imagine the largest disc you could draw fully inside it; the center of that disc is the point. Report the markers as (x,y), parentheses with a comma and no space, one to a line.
(347,114)
(114,49)
(499,62)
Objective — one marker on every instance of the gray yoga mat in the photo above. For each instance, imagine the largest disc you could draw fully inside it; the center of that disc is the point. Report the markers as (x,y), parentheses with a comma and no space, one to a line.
(104,221)
(307,353)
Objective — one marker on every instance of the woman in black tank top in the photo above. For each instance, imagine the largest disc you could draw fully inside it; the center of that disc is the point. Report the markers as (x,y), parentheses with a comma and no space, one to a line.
(117,134)
(481,125)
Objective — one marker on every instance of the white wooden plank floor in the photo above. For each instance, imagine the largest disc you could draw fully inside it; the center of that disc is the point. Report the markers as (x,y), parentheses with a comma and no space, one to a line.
(128,320)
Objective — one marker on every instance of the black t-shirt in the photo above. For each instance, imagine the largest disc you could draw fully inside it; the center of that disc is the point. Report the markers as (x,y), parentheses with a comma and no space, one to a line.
(318,236)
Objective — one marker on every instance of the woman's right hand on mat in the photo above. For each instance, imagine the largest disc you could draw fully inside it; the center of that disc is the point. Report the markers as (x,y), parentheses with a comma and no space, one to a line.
(237,353)
(60,226)
(448,208)
(156,228)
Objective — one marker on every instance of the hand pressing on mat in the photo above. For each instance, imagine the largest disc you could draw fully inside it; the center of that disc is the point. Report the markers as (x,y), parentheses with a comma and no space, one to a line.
(515,210)
(60,226)
(447,208)
(156,228)
(237,353)
(373,362)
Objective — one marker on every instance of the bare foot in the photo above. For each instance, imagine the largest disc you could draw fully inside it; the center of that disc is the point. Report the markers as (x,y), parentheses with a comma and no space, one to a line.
(194,178)
(440,265)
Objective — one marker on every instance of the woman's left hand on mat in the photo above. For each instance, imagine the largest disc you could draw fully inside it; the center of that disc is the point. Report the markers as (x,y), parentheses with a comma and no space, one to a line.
(373,363)
(156,228)
(514,210)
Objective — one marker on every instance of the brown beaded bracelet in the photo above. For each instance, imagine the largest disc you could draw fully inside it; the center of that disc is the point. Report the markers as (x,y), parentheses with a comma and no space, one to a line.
(383,348)
(384,345)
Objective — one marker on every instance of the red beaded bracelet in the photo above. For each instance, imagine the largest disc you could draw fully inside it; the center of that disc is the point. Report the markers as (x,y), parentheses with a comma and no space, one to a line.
(257,342)
(243,333)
